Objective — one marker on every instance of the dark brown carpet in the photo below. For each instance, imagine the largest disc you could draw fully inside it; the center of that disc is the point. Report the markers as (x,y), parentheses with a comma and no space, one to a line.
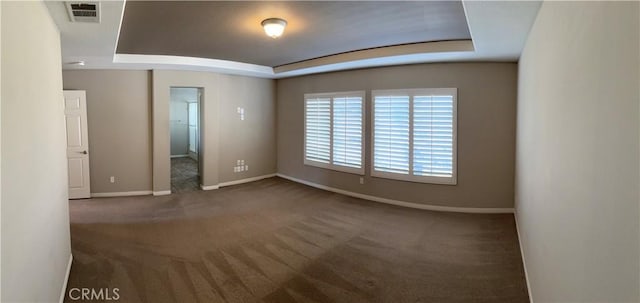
(279,241)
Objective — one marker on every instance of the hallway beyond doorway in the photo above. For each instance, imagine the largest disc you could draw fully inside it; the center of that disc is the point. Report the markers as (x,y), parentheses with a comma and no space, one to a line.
(184,175)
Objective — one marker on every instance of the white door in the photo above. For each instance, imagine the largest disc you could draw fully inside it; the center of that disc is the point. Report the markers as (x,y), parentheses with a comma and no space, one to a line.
(75,111)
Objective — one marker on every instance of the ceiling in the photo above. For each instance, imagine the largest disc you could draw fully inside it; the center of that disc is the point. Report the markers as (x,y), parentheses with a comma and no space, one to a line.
(184,36)
(230,30)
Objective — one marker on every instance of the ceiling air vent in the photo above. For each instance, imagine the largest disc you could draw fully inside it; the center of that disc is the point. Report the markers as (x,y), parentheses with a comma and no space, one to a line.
(84,11)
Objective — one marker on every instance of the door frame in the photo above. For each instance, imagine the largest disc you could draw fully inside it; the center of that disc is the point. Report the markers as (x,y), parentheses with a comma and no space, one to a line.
(200,93)
(162,80)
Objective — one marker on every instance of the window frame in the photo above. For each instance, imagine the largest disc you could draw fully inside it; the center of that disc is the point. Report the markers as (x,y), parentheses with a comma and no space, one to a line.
(330,165)
(453,180)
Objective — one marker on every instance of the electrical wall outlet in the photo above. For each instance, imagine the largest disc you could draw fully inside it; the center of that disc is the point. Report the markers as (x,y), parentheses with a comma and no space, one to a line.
(240,166)
(361,180)
(112,179)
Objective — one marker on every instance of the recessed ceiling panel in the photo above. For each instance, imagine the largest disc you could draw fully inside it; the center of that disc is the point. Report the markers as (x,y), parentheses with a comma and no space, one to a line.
(230,30)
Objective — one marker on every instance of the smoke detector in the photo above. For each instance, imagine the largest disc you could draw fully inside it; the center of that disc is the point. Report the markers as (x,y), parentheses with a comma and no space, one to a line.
(84,11)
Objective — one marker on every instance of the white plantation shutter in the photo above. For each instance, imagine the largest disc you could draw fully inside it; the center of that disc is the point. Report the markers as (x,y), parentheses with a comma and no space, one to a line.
(414,135)
(433,136)
(334,131)
(318,130)
(391,134)
(347,131)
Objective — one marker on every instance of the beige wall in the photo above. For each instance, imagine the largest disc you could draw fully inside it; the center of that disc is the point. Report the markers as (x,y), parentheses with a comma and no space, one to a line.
(252,139)
(1,52)
(127,142)
(486,131)
(119,118)
(163,80)
(225,136)
(35,214)
(578,153)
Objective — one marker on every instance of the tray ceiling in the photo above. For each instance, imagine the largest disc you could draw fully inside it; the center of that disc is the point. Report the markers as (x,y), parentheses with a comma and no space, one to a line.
(231,30)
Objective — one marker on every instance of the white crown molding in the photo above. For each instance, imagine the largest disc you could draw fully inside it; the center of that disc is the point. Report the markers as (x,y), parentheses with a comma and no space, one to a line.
(439,51)
(197,64)
(398,52)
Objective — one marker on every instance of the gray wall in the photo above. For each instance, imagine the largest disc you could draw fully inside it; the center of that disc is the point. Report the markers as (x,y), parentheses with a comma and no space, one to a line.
(578,152)
(252,139)
(163,80)
(121,126)
(486,131)
(225,136)
(36,247)
(119,117)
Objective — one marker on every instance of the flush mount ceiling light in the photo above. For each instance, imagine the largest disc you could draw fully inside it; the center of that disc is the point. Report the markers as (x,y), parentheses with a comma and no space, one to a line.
(274,27)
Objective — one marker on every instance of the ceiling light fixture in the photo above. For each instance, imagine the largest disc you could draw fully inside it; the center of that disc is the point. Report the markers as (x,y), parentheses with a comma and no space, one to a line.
(274,27)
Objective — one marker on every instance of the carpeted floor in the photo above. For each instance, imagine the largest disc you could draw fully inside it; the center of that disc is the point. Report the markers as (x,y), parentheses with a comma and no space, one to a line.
(279,241)
(184,175)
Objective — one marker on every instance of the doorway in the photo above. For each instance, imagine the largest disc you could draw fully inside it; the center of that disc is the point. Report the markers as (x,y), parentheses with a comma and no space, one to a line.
(184,120)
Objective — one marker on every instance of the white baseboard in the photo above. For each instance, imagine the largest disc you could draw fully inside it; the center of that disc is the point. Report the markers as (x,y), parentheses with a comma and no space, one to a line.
(179,156)
(209,187)
(162,193)
(524,263)
(236,182)
(63,292)
(404,203)
(122,194)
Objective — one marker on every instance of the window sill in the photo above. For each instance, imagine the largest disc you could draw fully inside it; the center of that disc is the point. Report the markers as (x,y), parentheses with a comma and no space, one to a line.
(452,181)
(343,169)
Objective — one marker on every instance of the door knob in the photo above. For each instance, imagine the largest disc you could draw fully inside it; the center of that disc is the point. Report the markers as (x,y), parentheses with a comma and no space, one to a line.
(84,152)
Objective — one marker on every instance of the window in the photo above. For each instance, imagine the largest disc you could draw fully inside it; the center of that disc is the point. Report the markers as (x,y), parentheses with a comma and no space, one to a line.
(414,135)
(334,131)
(193,126)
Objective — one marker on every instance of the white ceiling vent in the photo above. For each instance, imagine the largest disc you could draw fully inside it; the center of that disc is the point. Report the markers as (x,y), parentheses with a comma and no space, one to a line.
(84,11)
